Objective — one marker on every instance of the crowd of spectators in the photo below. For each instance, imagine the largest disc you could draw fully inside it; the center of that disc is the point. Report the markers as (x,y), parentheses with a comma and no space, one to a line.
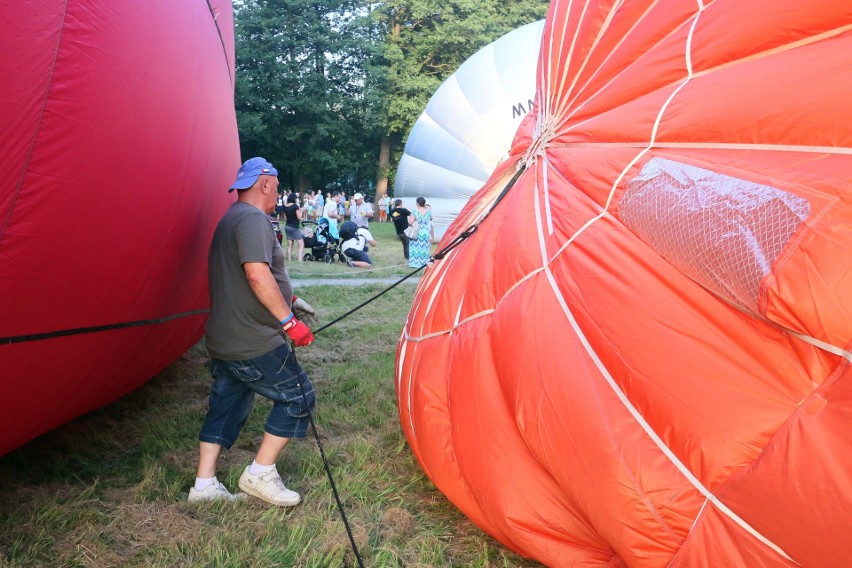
(413,228)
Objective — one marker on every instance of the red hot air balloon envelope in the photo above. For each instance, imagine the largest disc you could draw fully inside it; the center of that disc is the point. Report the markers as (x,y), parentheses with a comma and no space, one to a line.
(642,356)
(119,141)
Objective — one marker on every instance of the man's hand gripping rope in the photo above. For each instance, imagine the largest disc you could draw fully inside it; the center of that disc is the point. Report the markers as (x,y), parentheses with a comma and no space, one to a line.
(298,332)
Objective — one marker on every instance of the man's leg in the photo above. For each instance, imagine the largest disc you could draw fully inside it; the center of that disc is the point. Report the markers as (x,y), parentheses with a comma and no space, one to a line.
(230,403)
(405,240)
(270,448)
(286,384)
(207,487)
(208,457)
(358,258)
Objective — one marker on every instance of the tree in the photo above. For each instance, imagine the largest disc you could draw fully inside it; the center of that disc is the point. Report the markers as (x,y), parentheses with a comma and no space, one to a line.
(299,86)
(322,84)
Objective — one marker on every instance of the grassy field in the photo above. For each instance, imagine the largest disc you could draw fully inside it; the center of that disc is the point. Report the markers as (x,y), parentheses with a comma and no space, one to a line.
(109,489)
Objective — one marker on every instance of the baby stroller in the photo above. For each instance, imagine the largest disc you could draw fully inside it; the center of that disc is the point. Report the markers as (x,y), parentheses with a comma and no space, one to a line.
(324,247)
(276,226)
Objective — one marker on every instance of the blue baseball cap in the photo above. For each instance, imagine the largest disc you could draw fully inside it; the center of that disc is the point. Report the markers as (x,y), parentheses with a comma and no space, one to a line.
(249,172)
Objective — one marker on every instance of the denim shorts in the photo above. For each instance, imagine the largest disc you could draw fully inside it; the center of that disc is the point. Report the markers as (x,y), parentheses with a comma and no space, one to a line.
(358,255)
(275,375)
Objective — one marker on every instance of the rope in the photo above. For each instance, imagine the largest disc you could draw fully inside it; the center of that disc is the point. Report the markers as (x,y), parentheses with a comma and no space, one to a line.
(464,235)
(314,427)
(373,298)
(331,481)
(313,424)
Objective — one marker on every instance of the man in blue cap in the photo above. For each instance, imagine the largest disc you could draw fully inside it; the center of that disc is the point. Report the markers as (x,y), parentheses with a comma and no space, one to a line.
(251,311)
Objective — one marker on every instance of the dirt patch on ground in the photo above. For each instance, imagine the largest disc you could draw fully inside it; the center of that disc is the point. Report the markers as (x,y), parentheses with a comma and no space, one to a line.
(139,526)
(186,460)
(334,541)
(396,523)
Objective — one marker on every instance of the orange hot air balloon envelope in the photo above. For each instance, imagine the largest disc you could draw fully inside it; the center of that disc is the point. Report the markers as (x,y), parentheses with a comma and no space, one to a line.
(642,355)
(119,142)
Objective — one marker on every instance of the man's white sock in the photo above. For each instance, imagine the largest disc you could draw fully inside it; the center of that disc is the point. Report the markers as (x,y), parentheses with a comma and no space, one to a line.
(202,483)
(256,469)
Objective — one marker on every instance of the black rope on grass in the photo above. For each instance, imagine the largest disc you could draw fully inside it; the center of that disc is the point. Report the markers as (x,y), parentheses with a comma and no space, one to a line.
(331,481)
(314,426)
(362,304)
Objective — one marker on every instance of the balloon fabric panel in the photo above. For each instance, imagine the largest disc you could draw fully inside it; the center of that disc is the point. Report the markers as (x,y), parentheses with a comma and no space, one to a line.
(648,339)
(467,127)
(115,168)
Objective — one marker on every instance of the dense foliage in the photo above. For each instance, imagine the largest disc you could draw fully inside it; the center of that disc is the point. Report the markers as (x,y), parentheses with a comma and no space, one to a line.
(322,83)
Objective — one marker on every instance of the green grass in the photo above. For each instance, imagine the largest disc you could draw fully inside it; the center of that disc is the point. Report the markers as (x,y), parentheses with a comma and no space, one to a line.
(109,489)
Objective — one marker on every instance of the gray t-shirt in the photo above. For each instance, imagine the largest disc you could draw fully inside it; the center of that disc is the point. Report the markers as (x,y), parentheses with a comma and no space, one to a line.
(240,327)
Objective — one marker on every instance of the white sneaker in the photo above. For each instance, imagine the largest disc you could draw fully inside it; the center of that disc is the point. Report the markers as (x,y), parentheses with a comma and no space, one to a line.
(268,487)
(214,492)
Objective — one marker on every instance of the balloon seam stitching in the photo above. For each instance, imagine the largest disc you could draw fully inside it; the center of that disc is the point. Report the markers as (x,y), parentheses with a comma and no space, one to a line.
(696,483)
(601,32)
(221,39)
(548,214)
(10,212)
(825,346)
(577,108)
(468,319)
(839,150)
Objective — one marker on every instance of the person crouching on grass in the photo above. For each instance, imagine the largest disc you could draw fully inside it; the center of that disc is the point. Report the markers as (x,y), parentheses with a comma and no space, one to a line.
(251,309)
(355,244)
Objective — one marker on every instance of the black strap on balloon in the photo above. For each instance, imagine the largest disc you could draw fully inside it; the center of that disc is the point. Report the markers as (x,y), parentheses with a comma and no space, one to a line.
(464,235)
(215,15)
(95,328)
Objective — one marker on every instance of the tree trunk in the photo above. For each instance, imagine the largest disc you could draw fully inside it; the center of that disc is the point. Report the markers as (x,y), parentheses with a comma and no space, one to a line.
(384,165)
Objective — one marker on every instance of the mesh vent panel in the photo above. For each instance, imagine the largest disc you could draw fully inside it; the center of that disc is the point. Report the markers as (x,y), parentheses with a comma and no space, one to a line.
(721,231)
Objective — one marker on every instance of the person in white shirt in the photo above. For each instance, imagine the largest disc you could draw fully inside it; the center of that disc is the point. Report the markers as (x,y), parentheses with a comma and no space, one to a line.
(359,212)
(384,207)
(330,212)
(320,205)
(355,245)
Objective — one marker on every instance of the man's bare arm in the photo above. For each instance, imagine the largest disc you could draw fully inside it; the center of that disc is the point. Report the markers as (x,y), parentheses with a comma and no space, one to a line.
(266,289)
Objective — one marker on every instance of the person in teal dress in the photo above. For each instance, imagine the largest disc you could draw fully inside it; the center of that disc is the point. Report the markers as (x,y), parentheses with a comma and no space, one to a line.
(420,249)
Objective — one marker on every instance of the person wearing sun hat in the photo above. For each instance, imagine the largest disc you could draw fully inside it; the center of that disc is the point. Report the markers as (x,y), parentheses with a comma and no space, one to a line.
(359,212)
(252,317)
